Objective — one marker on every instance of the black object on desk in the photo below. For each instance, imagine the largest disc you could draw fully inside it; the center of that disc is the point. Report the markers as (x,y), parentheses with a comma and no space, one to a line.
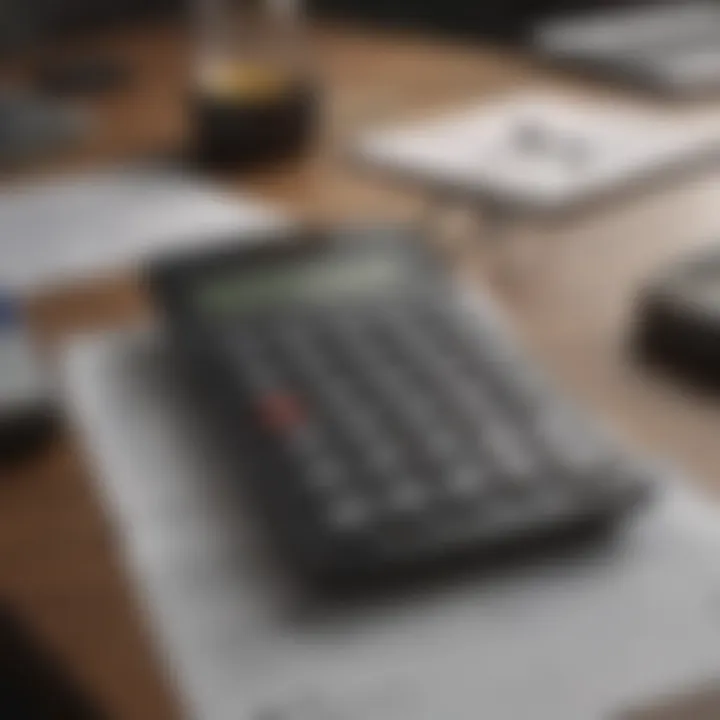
(23,434)
(32,126)
(81,76)
(28,416)
(33,685)
(678,320)
(506,19)
(387,427)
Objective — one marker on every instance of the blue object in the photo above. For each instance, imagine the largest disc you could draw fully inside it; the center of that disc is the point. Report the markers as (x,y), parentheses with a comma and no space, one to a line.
(9,311)
(27,414)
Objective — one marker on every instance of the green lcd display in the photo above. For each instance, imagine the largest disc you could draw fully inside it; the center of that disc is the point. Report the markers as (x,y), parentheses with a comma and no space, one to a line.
(245,291)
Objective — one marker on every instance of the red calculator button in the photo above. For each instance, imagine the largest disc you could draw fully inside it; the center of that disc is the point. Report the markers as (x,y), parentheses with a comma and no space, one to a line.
(281,412)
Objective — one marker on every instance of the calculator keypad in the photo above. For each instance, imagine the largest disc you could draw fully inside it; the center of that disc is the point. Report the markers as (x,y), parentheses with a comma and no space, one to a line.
(397,417)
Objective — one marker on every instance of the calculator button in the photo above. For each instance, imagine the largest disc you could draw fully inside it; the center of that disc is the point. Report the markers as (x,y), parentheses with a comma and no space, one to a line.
(465,482)
(257,371)
(305,356)
(418,408)
(407,498)
(505,517)
(280,412)
(510,457)
(503,442)
(492,357)
(305,441)
(442,445)
(340,405)
(257,374)
(383,461)
(348,514)
(570,446)
(555,501)
(353,410)
(325,475)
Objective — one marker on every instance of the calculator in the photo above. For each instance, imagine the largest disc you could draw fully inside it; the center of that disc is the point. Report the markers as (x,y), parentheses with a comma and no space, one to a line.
(387,423)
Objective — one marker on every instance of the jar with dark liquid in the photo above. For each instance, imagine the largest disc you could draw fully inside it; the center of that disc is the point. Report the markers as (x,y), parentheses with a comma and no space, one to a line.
(254,99)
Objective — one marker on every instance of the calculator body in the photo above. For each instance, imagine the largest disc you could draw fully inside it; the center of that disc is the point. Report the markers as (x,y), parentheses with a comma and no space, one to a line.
(385,426)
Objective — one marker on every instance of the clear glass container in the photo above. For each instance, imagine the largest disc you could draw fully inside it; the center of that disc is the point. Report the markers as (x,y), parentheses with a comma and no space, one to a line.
(249,46)
(254,89)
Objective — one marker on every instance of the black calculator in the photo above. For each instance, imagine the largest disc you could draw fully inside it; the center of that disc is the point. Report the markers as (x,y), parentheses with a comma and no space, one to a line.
(388,422)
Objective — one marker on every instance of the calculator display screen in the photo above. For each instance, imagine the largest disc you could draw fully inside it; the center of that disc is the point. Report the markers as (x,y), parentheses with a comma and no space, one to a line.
(243,291)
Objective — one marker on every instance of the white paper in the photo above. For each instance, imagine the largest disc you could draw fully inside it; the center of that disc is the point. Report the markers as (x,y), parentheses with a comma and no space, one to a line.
(554,641)
(475,151)
(85,226)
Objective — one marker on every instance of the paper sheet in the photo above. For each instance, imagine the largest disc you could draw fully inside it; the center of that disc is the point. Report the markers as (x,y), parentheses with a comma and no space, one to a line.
(577,640)
(86,226)
(538,152)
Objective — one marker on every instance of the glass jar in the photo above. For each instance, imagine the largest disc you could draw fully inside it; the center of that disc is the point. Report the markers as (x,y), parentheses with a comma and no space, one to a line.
(254,96)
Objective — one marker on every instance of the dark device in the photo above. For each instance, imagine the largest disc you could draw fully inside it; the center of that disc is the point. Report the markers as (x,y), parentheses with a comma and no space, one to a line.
(678,320)
(386,424)
(23,434)
(33,686)
(665,47)
(88,75)
(28,23)
(509,20)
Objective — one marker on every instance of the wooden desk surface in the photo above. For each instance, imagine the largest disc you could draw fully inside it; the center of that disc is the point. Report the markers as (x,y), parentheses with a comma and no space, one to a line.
(58,558)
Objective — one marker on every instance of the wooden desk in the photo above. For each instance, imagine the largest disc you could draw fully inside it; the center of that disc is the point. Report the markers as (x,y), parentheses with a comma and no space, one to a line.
(58,558)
